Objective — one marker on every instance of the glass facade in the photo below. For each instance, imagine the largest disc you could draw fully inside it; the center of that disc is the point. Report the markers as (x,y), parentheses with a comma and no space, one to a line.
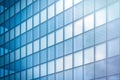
(59,39)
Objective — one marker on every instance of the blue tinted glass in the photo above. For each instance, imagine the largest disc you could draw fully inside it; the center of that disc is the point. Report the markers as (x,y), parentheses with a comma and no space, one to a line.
(29,61)
(36,32)
(29,73)
(59,76)
(68,16)
(68,46)
(36,58)
(17,66)
(43,3)
(23,64)
(43,56)
(23,15)
(43,29)
(17,19)
(51,25)
(29,11)
(59,50)
(36,71)
(59,20)
(51,53)
(36,6)
(78,43)
(78,75)
(23,38)
(29,36)
(68,75)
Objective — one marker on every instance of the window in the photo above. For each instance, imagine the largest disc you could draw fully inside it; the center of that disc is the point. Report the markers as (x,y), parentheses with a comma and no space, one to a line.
(89,72)
(78,11)
(101,17)
(100,52)
(23,14)
(59,6)
(68,62)
(11,34)
(88,55)
(78,59)
(36,71)
(59,50)
(78,43)
(100,3)
(59,35)
(36,45)
(11,11)
(23,4)
(29,61)
(29,11)
(68,4)
(68,15)
(51,66)
(17,56)
(113,11)
(68,75)
(36,32)
(43,56)
(29,2)
(43,3)
(36,6)
(43,70)
(89,22)
(59,64)
(23,27)
(78,75)
(23,75)
(43,29)
(23,39)
(36,19)
(78,27)
(77,1)
(51,39)
(29,36)
(59,20)
(88,6)
(68,31)
(29,73)
(51,77)
(100,34)
(100,69)
(23,51)
(113,27)
(17,7)
(23,64)
(43,15)
(68,46)
(51,25)
(113,63)
(51,11)
(29,24)
(51,53)
(59,76)
(36,58)
(113,47)
(89,39)
(43,42)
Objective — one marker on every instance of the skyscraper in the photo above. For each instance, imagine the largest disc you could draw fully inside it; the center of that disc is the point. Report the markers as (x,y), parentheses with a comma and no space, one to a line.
(59,39)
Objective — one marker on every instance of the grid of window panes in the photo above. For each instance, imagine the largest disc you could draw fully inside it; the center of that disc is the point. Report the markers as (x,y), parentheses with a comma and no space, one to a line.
(60,39)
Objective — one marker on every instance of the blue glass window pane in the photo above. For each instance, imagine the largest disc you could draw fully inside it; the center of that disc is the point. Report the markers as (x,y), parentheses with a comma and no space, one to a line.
(59,35)
(59,6)
(29,73)
(100,3)
(36,19)
(43,42)
(51,66)
(36,45)
(36,32)
(29,11)
(23,75)
(36,71)
(59,76)
(51,53)
(59,64)
(113,63)
(59,50)
(36,58)
(89,39)
(51,77)
(89,72)
(51,25)
(17,19)
(43,15)
(36,6)
(29,23)
(43,3)
(100,69)
(23,64)
(113,47)
(68,16)
(51,39)
(68,75)
(43,70)
(29,49)
(29,36)
(23,15)
(68,62)
(23,4)
(68,46)
(43,29)
(78,75)
(17,65)
(100,34)
(68,4)
(59,20)
(23,39)
(17,7)
(29,61)
(23,51)
(113,11)
(43,56)
(113,27)
(68,31)
(12,23)
(78,11)
(51,11)
(78,43)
